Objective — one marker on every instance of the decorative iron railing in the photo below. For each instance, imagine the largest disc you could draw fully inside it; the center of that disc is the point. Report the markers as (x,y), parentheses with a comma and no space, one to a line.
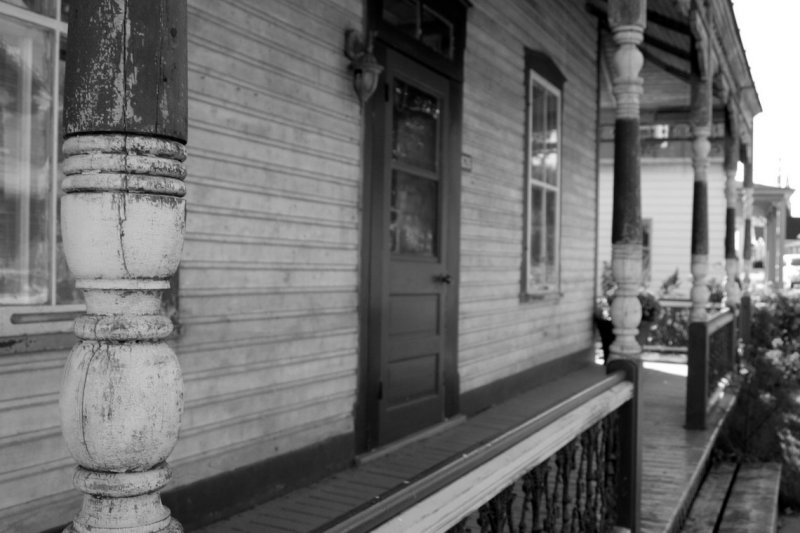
(574,467)
(713,346)
(574,490)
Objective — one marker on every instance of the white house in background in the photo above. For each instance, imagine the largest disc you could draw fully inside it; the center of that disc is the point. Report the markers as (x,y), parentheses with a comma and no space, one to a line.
(667,198)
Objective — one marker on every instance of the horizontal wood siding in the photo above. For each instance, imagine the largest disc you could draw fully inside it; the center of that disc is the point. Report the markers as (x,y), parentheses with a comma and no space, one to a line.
(667,197)
(269,279)
(500,335)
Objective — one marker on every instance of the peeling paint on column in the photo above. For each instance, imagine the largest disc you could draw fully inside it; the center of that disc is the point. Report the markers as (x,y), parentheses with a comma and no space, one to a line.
(133,77)
(123,219)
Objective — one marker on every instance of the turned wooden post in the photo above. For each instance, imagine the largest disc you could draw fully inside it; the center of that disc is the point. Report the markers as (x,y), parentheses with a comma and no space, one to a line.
(747,245)
(627,20)
(125,122)
(732,290)
(701,146)
(747,212)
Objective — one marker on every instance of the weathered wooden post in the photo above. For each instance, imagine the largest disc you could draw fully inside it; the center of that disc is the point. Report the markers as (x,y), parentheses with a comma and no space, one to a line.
(627,19)
(747,245)
(733,294)
(702,87)
(125,122)
(732,289)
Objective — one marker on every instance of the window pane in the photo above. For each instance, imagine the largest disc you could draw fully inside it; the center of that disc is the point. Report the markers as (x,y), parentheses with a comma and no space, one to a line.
(437,32)
(402,14)
(416,126)
(550,232)
(66,293)
(551,135)
(414,216)
(537,233)
(421,23)
(44,7)
(26,161)
(537,132)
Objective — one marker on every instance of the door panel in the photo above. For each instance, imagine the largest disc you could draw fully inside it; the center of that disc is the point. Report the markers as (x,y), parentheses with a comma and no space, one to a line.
(411,182)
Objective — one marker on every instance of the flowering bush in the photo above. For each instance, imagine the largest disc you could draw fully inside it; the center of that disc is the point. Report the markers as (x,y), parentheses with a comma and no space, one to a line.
(765,426)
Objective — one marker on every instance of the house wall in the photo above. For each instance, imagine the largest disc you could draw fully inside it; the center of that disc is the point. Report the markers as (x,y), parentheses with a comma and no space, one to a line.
(500,335)
(270,274)
(667,199)
(269,278)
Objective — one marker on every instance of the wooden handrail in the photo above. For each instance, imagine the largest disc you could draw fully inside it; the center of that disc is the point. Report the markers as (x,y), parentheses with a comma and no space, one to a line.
(719,320)
(698,389)
(460,486)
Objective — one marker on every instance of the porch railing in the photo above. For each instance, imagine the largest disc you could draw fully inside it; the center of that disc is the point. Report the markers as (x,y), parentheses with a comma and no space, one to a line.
(713,346)
(573,467)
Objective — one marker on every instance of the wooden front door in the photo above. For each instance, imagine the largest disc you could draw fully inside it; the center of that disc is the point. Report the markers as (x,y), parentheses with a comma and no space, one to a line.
(412,274)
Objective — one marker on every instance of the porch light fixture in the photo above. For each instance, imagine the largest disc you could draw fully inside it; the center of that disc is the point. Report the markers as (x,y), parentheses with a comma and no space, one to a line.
(366,70)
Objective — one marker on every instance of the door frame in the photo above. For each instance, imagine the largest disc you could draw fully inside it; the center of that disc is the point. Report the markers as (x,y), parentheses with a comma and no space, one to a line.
(371,282)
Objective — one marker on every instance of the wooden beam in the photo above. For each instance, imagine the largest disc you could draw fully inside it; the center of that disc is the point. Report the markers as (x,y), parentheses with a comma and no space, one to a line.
(654,17)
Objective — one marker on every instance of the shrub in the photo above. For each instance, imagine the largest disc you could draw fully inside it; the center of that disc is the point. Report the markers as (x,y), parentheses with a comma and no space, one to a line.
(765,425)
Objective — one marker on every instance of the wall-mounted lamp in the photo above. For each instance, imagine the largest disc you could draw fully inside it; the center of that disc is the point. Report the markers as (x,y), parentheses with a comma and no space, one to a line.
(365,67)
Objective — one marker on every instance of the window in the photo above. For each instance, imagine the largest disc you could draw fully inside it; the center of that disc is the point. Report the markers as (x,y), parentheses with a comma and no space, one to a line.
(542,175)
(421,22)
(37,293)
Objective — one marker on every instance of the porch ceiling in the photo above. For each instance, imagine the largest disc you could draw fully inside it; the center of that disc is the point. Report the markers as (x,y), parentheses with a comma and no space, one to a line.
(667,50)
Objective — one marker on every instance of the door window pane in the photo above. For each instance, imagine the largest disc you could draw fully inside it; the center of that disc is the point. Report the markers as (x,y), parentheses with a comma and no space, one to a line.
(414,215)
(416,127)
(26,162)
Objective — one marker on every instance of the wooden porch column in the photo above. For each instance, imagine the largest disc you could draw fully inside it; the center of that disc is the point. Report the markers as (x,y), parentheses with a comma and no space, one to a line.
(702,85)
(627,19)
(732,290)
(122,220)
(747,211)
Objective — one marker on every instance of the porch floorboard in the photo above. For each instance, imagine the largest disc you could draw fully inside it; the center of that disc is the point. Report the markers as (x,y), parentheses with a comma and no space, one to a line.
(673,461)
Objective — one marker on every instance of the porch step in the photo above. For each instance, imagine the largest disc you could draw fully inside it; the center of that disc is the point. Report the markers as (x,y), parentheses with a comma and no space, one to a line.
(753,504)
(737,499)
(706,507)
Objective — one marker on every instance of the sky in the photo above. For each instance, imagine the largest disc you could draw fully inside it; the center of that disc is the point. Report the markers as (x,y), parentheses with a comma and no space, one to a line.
(771,39)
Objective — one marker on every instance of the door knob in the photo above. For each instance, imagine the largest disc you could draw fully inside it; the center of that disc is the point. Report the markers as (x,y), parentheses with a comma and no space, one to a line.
(444,278)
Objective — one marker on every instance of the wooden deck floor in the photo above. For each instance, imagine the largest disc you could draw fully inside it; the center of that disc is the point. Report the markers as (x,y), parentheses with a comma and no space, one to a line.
(672,459)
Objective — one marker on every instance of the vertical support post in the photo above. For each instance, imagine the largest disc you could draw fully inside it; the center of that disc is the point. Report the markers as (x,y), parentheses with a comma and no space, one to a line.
(702,87)
(747,244)
(123,215)
(629,483)
(697,376)
(701,147)
(732,291)
(627,19)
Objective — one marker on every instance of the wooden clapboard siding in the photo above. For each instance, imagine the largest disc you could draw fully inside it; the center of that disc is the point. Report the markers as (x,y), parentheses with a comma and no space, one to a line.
(500,335)
(269,282)
(667,196)
(34,461)
(269,279)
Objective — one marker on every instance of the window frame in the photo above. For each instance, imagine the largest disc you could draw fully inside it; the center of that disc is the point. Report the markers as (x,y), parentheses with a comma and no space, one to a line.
(34,319)
(542,71)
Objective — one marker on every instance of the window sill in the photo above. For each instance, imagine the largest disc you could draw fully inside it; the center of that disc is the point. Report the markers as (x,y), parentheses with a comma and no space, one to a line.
(533,297)
(38,319)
